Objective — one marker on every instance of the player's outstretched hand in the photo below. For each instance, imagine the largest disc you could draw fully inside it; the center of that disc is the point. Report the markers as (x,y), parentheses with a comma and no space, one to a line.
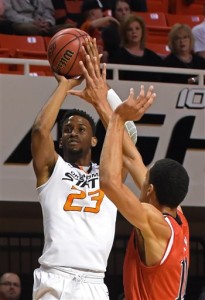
(90,48)
(135,106)
(96,88)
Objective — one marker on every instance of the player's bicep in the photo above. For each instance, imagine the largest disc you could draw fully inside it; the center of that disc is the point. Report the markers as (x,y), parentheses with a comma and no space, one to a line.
(43,153)
(137,170)
(129,205)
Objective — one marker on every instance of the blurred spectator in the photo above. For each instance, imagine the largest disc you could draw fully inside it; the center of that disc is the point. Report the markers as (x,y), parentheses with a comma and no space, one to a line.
(94,22)
(61,13)
(135,5)
(5,25)
(10,286)
(133,51)
(199,37)
(139,5)
(31,17)
(111,35)
(181,43)
(121,9)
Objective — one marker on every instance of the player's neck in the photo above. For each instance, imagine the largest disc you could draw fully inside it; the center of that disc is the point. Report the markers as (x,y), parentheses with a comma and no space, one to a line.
(83,162)
(169,211)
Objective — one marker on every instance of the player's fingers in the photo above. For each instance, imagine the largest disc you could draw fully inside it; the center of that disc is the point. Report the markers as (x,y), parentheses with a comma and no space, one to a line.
(104,72)
(97,67)
(85,73)
(91,67)
(149,101)
(95,50)
(75,93)
(144,97)
(150,91)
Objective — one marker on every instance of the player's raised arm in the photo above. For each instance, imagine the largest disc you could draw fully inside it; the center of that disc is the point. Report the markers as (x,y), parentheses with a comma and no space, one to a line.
(42,145)
(110,173)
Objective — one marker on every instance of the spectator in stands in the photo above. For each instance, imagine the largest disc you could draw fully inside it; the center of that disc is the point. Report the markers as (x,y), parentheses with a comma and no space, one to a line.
(31,17)
(135,5)
(199,37)
(133,51)
(139,5)
(121,9)
(94,22)
(111,35)
(61,12)
(5,25)
(10,286)
(181,43)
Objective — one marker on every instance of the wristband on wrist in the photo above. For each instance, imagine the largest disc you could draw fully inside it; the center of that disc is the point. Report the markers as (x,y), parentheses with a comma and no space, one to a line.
(114,100)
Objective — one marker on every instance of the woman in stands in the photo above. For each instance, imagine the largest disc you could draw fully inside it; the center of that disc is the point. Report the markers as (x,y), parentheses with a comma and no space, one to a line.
(134,52)
(181,44)
(111,34)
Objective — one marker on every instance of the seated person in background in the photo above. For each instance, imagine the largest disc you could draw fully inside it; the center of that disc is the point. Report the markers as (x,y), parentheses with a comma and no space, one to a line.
(10,286)
(181,44)
(94,22)
(31,17)
(121,9)
(133,51)
(198,32)
(5,25)
(61,14)
(139,5)
(135,5)
(111,35)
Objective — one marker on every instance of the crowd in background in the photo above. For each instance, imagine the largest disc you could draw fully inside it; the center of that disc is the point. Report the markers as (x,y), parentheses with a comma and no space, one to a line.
(119,31)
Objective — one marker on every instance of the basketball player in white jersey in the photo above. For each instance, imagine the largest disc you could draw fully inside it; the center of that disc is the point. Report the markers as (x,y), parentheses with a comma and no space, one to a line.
(79,220)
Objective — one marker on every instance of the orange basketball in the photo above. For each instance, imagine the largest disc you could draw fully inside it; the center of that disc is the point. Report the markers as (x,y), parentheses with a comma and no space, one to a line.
(65,52)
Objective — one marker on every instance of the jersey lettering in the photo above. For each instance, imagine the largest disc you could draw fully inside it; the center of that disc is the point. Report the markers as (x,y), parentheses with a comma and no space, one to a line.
(77,194)
(183,280)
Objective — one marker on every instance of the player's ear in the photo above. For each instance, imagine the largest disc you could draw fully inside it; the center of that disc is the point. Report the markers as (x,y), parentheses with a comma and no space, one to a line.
(93,141)
(60,143)
(150,189)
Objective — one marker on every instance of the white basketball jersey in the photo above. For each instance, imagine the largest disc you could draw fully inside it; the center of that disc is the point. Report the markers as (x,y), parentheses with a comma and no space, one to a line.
(79,220)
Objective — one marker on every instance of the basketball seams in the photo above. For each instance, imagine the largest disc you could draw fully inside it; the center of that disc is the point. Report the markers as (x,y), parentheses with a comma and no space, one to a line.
(63,59)
(76,56)
(70,41)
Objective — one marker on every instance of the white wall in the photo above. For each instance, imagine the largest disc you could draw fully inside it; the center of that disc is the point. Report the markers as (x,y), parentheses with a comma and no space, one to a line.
(21,97)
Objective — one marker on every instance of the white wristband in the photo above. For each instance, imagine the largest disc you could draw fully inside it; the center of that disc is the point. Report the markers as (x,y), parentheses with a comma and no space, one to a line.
(114,100)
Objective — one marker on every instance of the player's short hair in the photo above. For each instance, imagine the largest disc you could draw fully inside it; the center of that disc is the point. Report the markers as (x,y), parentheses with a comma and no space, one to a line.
(77,112)
(170,180)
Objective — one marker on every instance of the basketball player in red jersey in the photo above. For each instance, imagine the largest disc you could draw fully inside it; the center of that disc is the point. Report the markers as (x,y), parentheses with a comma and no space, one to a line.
(157,256)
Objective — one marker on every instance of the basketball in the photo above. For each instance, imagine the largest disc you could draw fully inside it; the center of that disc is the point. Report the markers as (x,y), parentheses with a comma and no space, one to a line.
(65,51)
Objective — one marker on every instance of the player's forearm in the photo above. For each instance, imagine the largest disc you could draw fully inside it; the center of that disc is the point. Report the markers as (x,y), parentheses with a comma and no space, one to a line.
(46,118)
(111,173)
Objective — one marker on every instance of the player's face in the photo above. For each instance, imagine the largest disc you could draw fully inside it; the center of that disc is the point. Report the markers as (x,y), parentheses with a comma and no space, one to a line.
(77,135)
(10,287)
